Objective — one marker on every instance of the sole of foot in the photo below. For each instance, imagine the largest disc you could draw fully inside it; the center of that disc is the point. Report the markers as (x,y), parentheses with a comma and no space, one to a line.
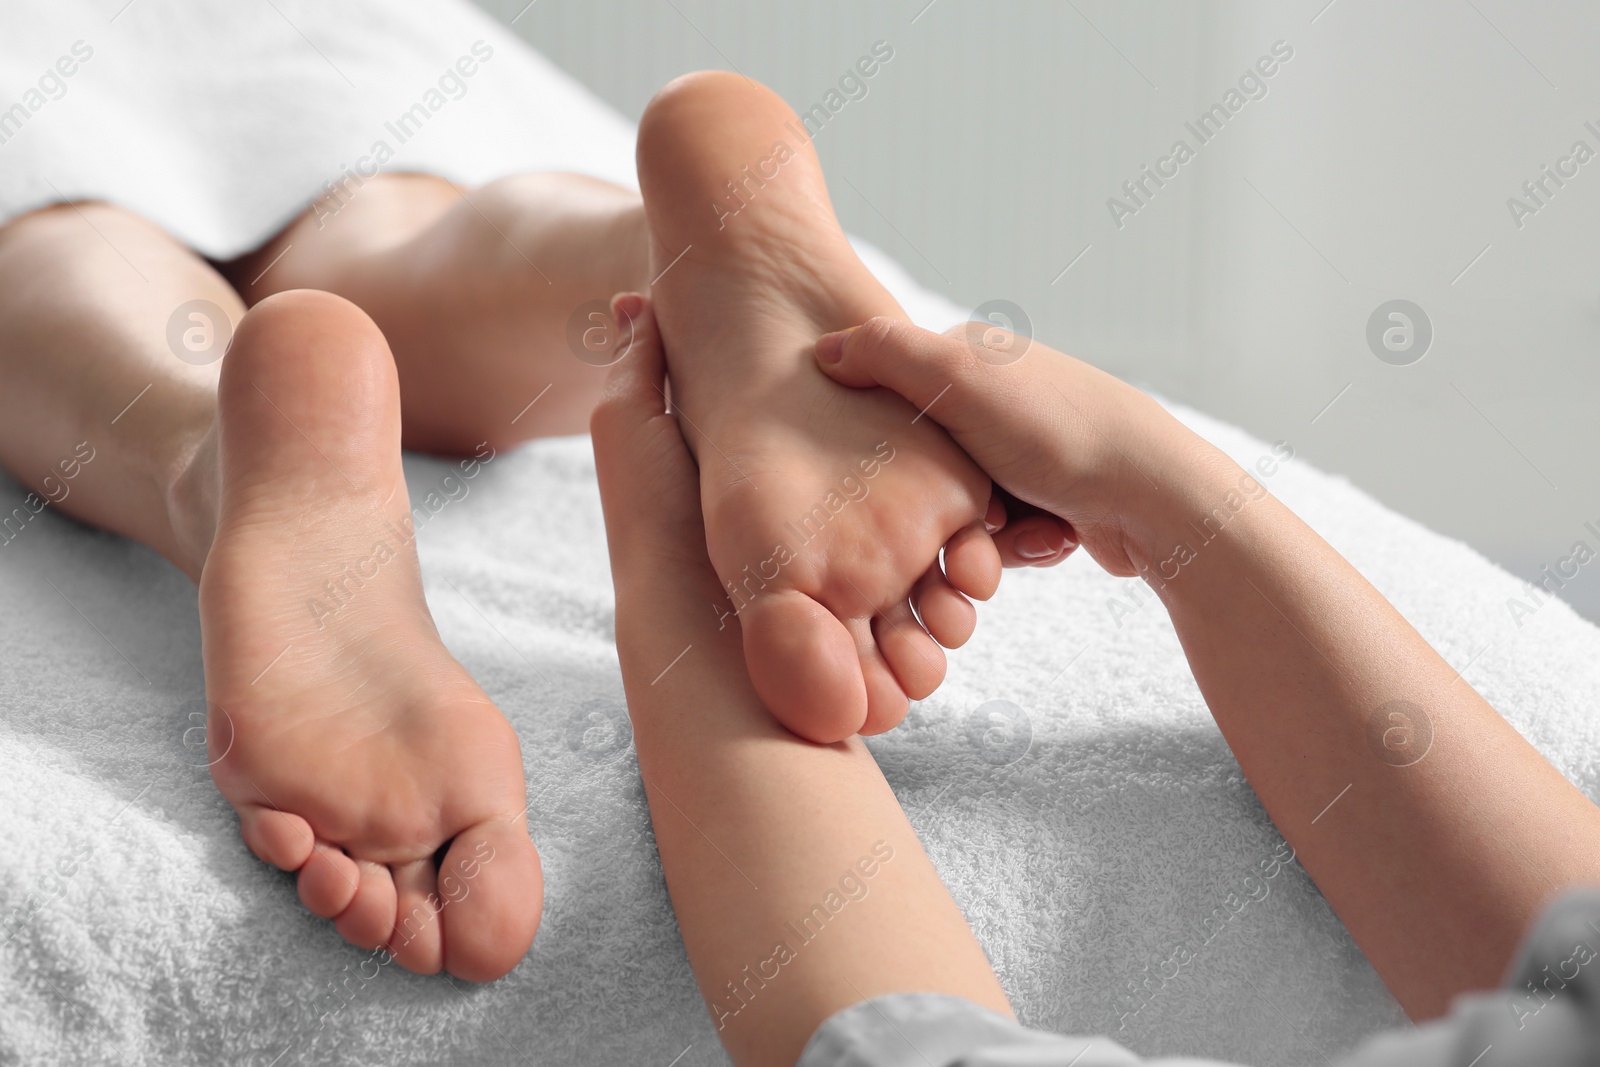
(353,746)
(826,508)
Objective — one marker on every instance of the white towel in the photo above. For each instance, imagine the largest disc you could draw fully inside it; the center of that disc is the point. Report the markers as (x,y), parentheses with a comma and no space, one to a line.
(223,122)
(137,929)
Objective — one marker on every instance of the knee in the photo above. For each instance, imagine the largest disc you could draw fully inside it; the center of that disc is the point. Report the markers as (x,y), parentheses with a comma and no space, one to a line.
(519,192)
(57,225)
(536,211)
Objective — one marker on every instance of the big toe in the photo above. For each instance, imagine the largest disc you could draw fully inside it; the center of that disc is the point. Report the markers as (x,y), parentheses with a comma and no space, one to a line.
(493,892)
(804,665)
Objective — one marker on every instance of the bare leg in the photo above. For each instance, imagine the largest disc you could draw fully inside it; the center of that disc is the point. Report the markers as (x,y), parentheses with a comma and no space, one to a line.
(799,885)
(352,745)
(85,294)
(475,292)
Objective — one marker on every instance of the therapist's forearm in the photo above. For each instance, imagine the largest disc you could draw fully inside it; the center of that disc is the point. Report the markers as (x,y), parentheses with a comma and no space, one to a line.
(1437,854)
(798,883)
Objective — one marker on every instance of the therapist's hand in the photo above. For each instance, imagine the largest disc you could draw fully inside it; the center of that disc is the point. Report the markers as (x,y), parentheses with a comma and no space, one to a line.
(1056,434)
(650,493)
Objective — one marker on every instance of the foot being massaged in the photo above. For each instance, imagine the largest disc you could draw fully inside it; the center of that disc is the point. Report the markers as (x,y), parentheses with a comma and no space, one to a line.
(804,494)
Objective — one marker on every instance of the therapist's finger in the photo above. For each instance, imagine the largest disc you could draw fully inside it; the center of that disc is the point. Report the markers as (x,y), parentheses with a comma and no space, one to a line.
(1039,540)
(649,487)
(942,374)
(1003,409)
(1042,425)
(635,386)
(1029,536)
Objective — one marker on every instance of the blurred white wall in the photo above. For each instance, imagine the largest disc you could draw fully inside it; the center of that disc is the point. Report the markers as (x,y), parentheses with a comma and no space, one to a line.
(1374,164)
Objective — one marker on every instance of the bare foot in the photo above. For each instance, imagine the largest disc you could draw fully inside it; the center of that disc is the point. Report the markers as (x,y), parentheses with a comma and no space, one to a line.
(352,744)
(824,506)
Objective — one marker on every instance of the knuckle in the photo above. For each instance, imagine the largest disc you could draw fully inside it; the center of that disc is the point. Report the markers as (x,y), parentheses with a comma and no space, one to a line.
(880,334)
(608,415)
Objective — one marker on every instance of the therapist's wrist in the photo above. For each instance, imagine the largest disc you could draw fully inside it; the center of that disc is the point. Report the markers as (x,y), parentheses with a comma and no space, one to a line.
(1125,473)
(1197,501)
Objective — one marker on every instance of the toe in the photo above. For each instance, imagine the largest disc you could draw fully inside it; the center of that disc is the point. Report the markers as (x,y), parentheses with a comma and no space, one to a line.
(916,659)
(804,666)
(418,940)
(276,837)
(948,616)
(886,699)
(972,562)
(328,881)
(493,892)
(368,921)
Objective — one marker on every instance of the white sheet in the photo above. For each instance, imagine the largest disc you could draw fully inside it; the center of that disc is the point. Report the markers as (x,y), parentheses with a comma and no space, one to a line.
(139,930)
(222,122)
(1098,853)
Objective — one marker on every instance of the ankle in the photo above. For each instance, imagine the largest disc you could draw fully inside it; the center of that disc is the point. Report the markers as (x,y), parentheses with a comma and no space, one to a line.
(191,486)
(630,246)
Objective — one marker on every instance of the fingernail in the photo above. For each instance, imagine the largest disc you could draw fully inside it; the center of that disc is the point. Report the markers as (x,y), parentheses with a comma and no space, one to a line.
(627,305)
(1030,544)
(994,516)
(830,346)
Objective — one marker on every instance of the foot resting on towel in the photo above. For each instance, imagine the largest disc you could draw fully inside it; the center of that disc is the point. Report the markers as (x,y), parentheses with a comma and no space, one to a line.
(825,507)
(354,747)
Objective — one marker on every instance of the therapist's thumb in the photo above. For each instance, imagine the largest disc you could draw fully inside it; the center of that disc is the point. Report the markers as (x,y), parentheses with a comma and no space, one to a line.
(944,375)
(887,352)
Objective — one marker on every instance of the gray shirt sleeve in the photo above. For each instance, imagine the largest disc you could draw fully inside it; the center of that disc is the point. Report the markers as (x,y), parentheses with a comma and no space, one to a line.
(1546,1015)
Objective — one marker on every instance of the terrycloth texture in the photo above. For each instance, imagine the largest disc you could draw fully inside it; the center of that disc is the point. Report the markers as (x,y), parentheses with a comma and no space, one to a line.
(221,122)
(139,930)
(1547,1014)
